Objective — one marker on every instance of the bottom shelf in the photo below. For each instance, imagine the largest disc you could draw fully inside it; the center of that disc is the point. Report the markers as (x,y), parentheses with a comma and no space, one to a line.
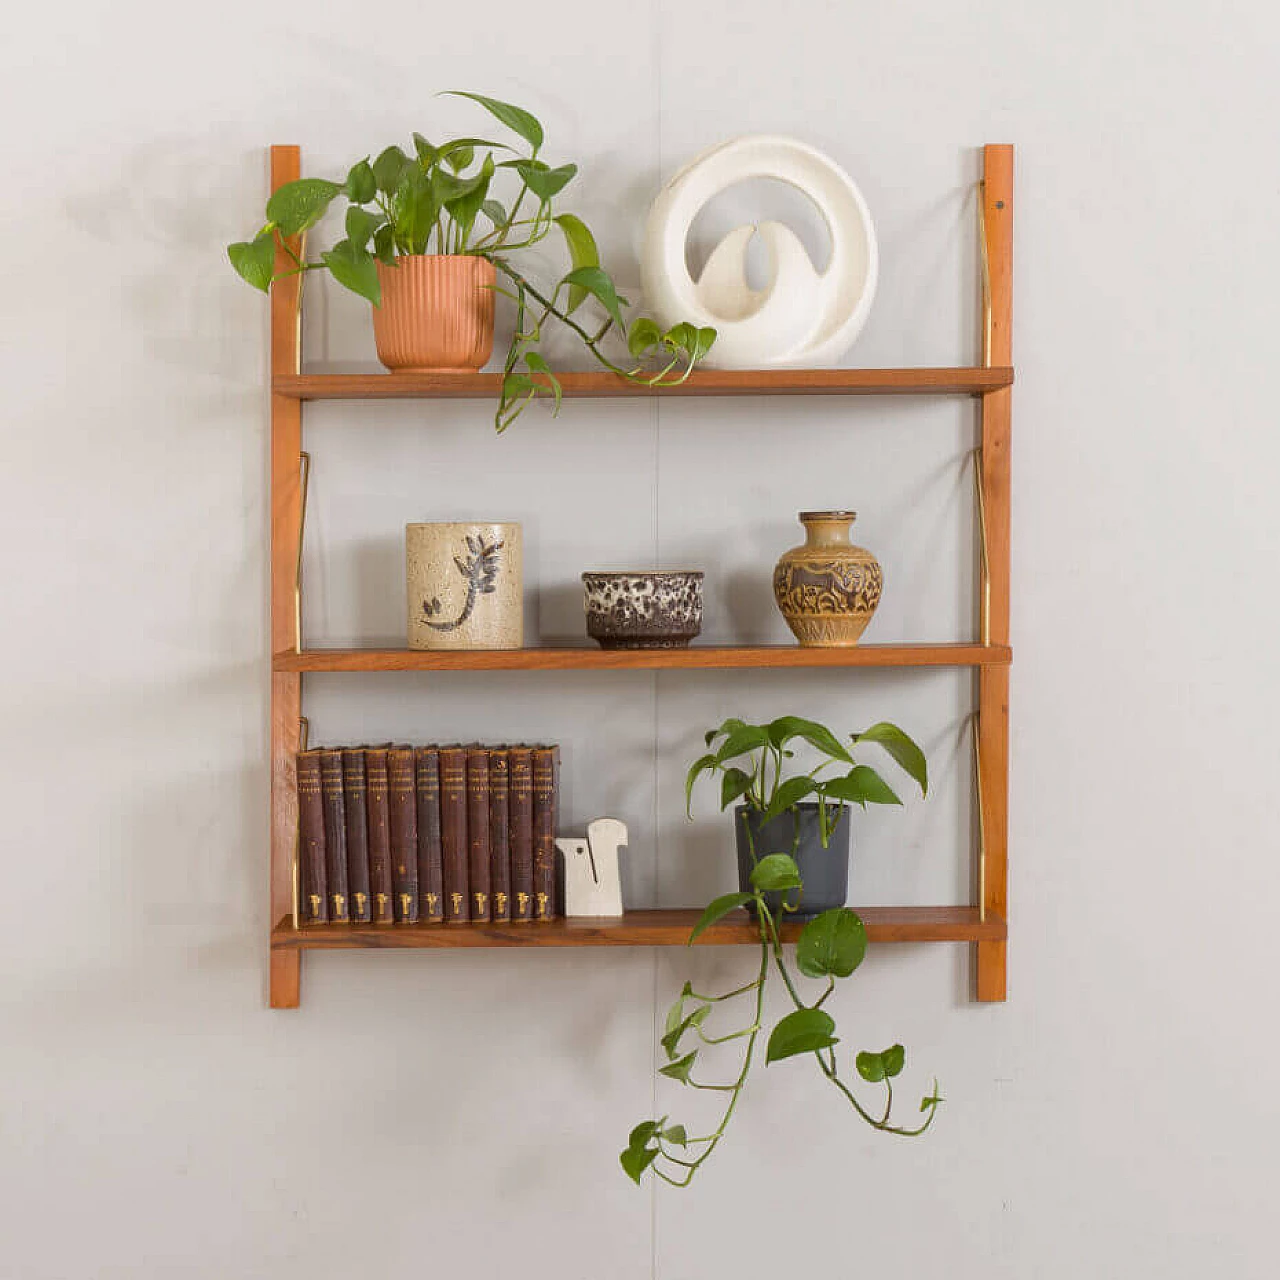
(654,928)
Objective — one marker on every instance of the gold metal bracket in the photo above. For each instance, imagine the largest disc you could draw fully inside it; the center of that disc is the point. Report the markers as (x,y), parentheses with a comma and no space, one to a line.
(304,463)
(974,724)
(984,630)
(986,274)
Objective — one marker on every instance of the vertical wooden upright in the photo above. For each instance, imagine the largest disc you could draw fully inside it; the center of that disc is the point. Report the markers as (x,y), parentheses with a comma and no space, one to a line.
(993,681)
(286,513)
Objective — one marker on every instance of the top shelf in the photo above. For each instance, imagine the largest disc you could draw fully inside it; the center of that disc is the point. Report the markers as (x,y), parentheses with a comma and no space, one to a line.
(973,381)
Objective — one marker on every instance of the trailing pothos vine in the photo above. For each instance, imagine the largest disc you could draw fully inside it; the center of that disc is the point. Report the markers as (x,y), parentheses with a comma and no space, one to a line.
(440,200)
(831,945)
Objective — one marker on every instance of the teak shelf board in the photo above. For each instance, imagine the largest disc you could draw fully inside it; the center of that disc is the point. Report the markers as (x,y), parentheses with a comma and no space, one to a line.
(696,657)
(971,381)
(652,928)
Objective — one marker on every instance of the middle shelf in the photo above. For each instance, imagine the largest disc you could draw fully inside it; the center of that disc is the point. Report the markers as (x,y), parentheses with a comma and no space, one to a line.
(696,657)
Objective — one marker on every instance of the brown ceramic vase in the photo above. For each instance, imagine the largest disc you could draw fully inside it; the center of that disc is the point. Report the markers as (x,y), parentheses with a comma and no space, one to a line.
(436,314)
(827,589)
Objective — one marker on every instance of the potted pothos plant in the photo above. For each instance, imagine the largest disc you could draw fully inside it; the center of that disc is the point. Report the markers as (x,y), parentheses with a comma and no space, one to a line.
(775,885)
(426,239)
(804,814)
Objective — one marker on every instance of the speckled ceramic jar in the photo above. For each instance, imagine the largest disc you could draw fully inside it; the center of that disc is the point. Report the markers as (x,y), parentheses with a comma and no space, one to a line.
(828,588)
(465,585)
(661,609)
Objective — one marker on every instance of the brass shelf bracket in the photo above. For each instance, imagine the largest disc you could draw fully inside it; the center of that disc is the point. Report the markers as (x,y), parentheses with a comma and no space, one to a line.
(974,721)
(304,463)
(984,630)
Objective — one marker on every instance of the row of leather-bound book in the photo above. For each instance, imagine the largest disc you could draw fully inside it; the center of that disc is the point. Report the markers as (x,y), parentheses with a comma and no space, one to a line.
(435,834)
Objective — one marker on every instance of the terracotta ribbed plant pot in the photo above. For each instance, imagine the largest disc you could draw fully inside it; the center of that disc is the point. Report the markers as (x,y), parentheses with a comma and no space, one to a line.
(436,314)
(828,588)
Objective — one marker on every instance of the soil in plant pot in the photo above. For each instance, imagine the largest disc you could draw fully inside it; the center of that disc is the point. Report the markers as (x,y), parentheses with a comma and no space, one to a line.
(825,872)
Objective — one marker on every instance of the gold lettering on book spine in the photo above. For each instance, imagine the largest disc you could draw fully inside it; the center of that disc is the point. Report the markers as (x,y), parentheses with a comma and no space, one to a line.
(433,904)
(543,907)
(500,901)
(339,906)
(522,903)
(456,898)
(382,906)
(315,904)
(405,900)
(481,903)
(360,901)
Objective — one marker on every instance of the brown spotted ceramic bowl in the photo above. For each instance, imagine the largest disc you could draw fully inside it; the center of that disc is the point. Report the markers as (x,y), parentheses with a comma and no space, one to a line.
(660,609)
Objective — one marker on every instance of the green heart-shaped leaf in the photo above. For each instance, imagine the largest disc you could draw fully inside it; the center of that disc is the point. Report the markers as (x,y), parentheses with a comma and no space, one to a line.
(870,1067)
(675,1015)
(301,204)
(832,944)
(861,785)
(776,872)
(643,335)
(680,1068)
(803,1031)
(538,365)
(717,910)
(696,769)
(747,737)
(672,1039)
(361,225)
(782,730)
(788,794)
(894,1059)
(355,269)
(384,244)
(733,785)
(515,118)
(583,252)
(901,749)
(596,282)
(387,169)
(361,186)
(635,1160)
(464,206)
(643,1132)
(255,259)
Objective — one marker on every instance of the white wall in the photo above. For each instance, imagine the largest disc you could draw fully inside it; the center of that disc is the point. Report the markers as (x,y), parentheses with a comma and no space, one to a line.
(1117,1117)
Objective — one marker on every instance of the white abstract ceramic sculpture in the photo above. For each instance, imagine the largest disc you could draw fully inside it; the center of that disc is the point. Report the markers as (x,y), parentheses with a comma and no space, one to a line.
(801,316)
(592,885)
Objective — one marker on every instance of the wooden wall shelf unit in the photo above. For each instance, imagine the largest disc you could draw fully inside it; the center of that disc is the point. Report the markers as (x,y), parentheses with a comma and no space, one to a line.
(982,924)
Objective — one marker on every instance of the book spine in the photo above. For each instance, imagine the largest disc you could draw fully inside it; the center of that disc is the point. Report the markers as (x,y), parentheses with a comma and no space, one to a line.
(335,835)
(453,833)
(375,761)
(313,900)
(478,832)
(520,830)
(403,803)
(499,834)
(546,770)
(359,905)
(430,864)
